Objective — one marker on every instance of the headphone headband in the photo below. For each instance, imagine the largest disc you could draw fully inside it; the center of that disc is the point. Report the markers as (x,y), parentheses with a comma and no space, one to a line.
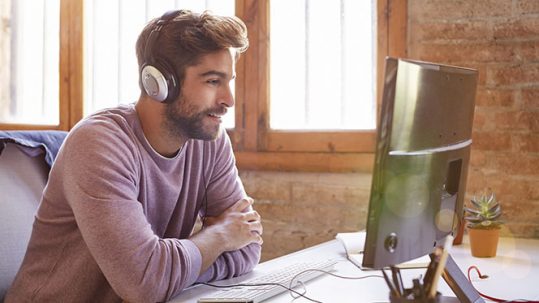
(154,34)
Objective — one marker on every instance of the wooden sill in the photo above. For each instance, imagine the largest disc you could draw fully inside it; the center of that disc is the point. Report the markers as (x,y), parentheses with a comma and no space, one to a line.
(6,126)
(276,161)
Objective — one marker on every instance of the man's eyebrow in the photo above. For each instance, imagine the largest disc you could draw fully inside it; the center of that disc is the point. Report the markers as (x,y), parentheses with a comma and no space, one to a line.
(216,73)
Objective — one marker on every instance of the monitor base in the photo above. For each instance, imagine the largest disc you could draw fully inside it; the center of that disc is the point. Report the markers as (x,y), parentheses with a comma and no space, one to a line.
(445,299)
(460,285)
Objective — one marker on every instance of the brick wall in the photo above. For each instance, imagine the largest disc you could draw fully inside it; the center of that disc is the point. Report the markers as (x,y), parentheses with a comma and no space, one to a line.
(302,209)
(500,38)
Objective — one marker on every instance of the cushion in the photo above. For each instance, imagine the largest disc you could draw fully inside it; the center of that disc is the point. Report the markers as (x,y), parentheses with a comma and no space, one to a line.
(22,179)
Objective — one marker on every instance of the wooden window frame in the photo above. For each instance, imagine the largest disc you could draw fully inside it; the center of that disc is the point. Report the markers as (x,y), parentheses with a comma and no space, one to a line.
(256,146)
(71,70)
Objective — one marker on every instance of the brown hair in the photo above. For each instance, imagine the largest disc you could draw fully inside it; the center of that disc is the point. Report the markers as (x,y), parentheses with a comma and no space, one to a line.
(187,37)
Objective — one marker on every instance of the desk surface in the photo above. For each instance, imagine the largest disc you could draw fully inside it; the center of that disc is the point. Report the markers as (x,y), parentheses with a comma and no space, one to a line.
(513,274)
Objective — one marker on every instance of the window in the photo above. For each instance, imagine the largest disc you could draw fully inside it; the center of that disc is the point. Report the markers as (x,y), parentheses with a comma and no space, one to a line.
(260,146)
(29,89)
(322,65)
(260,141)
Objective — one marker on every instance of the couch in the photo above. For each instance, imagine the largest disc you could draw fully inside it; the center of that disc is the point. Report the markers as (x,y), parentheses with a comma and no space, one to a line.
(25,159)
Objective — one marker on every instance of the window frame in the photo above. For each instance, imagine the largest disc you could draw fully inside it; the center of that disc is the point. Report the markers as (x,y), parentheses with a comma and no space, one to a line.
(256,146)
(70,69)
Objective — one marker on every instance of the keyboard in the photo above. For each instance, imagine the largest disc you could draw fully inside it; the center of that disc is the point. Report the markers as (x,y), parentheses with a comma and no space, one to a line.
(255,294)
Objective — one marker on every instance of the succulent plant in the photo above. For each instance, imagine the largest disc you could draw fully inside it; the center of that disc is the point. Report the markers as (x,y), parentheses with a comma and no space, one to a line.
(484,212)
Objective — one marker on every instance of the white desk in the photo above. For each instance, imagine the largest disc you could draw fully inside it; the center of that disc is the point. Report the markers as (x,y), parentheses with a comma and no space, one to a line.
(513,274)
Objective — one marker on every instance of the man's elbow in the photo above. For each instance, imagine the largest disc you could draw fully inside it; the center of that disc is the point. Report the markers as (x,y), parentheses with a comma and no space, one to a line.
(151,287)
(147,293)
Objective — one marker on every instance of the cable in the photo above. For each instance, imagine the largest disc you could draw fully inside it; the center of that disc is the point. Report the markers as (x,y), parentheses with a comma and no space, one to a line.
(205,198)
(327,273)
(481,276)
(261,284)
(294,293)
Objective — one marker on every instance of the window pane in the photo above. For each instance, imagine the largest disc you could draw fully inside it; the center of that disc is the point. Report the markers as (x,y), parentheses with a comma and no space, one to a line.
(111,31)
(322,64)
(29,62)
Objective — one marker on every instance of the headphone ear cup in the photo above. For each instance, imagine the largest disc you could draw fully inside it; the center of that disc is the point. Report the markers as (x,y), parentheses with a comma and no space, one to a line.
(159,82)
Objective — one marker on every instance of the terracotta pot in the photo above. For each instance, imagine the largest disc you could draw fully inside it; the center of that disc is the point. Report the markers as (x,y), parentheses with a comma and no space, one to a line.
(484,242)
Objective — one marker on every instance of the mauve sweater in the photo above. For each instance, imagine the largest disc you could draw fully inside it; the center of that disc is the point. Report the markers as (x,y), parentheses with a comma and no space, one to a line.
(115,216)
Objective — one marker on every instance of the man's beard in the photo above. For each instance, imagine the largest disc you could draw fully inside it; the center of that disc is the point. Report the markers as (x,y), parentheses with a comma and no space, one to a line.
(183,120)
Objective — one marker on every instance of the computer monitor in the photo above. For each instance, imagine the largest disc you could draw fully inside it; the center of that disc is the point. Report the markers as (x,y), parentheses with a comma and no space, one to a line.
(421,162)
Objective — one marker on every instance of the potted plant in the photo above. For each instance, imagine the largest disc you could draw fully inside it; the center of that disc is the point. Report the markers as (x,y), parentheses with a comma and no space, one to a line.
(483,223)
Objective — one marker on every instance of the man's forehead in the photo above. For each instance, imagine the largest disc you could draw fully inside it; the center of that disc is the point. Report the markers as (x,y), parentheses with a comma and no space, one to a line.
(224,56)
(220,64)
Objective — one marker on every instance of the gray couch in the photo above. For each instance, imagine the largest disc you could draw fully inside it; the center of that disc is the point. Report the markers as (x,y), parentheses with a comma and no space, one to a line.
(22,179)
(25,161)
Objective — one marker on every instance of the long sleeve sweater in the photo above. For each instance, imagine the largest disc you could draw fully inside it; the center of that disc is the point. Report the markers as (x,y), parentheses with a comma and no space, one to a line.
(115,217)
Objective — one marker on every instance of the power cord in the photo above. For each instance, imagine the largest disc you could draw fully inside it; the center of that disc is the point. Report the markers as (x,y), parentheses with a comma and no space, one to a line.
(481,276)
(327,273)
(296,294)
(261,284)
(293,293)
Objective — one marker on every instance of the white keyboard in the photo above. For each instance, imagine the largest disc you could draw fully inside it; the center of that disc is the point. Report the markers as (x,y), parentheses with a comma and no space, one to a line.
(282,276)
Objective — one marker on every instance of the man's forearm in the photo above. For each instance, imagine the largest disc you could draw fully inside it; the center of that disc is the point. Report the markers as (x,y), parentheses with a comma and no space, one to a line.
(210,247)
(235,228)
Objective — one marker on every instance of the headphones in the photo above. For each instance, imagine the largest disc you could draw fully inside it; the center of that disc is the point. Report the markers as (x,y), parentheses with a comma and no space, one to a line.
(157,75)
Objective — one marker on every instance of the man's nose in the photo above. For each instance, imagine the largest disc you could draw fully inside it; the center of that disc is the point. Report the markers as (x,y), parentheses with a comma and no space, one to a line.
(227,97)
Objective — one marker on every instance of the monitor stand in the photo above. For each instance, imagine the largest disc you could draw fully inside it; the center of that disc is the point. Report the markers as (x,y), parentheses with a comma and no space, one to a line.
(462,288)
(444,299)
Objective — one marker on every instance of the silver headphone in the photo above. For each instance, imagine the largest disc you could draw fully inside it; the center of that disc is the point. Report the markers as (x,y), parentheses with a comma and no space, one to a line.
(157,75)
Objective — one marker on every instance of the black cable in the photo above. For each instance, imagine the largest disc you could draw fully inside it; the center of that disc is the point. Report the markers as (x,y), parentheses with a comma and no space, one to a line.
(260,284)
(328,273)
(205,198)
(294,293)
(339,276)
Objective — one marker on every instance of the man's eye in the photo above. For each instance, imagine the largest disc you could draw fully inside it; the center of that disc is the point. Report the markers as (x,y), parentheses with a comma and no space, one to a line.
(213,81)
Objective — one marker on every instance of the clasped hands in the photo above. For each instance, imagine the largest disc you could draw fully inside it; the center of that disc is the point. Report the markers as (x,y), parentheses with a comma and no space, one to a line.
(237,226)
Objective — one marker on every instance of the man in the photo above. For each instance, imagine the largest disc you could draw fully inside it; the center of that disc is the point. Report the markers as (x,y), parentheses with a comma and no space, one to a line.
(117,215)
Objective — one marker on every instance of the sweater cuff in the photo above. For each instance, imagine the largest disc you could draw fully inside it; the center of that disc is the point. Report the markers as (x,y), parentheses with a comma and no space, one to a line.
(195,260)
(207,275)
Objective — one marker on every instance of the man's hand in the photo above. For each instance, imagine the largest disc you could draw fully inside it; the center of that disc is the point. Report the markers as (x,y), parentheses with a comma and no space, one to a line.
(236,227)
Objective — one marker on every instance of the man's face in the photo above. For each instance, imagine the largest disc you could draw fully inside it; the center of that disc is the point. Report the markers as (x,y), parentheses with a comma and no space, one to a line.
(204,97)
